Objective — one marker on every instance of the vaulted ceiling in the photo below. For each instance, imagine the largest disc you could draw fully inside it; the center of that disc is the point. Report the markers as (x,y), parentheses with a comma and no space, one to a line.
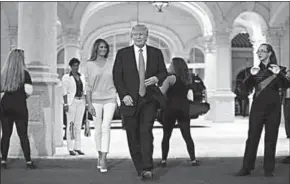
(70,13)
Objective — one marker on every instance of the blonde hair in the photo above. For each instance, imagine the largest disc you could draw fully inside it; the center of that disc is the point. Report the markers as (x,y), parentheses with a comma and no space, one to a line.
(140,27)
(12,73)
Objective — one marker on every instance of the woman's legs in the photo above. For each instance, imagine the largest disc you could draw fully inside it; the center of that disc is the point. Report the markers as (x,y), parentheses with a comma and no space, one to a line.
(271,135)
(256,122)
(7,128)
(169,119)
(184,125)
(21,127)
(98,130)
(109,110)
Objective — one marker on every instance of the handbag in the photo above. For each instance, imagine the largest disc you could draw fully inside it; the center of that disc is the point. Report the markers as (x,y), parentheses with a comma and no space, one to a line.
(87,131)
(198,108)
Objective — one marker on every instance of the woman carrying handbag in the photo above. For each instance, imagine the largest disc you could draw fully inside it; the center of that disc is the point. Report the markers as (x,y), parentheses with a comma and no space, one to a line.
(179,95)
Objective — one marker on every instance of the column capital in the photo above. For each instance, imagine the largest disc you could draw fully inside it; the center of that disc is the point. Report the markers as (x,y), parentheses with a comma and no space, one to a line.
(275,32)
(209,45)
(13,30)
(71,37)
(222,37)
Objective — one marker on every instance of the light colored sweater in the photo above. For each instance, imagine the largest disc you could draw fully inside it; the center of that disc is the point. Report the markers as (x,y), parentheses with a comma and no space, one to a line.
(99,82)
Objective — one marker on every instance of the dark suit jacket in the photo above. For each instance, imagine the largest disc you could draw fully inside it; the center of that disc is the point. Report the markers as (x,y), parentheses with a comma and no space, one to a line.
(126,76)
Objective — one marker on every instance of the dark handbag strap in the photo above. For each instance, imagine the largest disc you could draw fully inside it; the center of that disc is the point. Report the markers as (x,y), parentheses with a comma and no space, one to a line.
(262,85)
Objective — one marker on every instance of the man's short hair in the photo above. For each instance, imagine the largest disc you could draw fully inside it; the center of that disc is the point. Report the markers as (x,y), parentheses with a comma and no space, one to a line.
(140,26)
(73,61)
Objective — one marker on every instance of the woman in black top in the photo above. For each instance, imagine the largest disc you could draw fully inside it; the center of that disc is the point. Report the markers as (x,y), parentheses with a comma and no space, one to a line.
(16,85)
(177,89)
(268,79)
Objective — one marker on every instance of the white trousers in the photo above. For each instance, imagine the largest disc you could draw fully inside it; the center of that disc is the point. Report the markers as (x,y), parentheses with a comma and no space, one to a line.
(75,115)
(104,116)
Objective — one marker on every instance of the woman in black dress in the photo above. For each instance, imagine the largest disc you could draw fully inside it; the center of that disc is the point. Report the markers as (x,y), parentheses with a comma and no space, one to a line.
(16,85)
(177,89)
(268,79)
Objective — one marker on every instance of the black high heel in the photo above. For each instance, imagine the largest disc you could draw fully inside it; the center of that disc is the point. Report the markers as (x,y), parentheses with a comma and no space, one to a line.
(30,165)
(79,152)
(195,163)
(163,163)
(3,165)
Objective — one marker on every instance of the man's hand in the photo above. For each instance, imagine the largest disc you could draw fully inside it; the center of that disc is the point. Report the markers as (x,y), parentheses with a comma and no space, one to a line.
(151,81)
(255,70)
(128,100)
(274,68)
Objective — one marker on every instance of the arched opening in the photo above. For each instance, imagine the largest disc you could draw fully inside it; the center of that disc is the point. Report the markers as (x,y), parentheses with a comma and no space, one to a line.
(196,62)
(242,59)
(248,33)
(61,69)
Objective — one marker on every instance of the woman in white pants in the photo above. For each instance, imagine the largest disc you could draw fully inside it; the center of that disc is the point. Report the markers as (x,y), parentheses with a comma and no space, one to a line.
(74,96)
(101,97)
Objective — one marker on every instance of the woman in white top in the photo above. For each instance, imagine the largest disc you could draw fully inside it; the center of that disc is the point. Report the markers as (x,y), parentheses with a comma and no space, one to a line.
(101,95)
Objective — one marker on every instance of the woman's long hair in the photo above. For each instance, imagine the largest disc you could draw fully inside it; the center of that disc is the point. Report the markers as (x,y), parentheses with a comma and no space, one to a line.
(94,53)
(181,70)
(273,59)
(12,73)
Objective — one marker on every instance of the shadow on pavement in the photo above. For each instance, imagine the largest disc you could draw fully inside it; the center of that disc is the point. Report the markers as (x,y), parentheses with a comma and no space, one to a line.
(219,170)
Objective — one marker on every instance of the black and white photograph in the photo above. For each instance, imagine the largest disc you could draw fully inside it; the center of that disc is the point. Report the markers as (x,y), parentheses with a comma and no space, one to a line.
(133,92)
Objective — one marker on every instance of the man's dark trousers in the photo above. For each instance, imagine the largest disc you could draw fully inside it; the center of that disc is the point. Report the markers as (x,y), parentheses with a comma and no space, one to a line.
(139,133)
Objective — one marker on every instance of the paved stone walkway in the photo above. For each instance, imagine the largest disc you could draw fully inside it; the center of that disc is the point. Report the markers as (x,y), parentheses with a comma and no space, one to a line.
(219,147)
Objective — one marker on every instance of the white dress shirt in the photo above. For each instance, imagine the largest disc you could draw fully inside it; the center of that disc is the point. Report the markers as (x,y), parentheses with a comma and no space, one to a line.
(144,52)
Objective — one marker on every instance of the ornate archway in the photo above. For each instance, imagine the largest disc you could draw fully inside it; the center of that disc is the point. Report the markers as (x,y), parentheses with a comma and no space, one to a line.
(198,10)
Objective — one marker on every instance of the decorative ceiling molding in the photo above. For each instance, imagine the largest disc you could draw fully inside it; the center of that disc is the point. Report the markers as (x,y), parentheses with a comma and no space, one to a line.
(198,10)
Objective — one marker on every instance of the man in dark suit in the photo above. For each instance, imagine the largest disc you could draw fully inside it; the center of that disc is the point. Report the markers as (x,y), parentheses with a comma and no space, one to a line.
(136,72)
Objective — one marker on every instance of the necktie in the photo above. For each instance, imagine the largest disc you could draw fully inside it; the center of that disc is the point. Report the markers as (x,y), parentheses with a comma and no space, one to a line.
(142,87)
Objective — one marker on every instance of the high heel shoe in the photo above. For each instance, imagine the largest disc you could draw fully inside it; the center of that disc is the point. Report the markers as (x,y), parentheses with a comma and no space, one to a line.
(79,152)
(30,165)
(195,163)
(243,172)
(163,163)
(103,167)
(3,165)
(99,163)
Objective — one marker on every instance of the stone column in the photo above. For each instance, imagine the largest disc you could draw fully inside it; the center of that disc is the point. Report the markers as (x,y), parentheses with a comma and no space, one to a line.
(71,40)
(37,36)
(13,31)
(210,77)
(223,108)
(274,36)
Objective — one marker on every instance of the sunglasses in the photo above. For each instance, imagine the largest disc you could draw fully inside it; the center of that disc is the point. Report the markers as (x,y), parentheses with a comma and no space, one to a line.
(262,51)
